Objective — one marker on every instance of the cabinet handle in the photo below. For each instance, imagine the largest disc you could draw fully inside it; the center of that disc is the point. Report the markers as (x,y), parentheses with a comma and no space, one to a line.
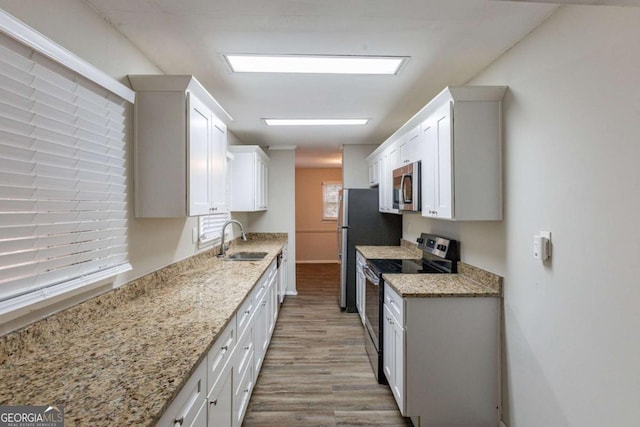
(179,421)
(214,402)
(225,347)
(247,311)
(247,347)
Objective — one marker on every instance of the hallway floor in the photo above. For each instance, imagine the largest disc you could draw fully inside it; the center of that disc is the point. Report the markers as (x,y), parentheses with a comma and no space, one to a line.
(316,372)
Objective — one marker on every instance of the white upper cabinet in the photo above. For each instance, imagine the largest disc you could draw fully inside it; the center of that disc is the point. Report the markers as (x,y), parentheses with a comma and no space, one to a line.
(389,162)
(179,148)
(458,138)
(249,178)
(462,159)
(374,171)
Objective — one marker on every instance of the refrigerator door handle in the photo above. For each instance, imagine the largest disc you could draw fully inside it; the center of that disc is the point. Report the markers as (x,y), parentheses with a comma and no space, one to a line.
(339,242)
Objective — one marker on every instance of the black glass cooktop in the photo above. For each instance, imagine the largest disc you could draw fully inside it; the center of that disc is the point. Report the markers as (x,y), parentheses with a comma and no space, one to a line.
(408,266)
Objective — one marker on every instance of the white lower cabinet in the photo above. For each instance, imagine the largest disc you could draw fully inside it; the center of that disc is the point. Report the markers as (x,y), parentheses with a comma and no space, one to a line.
(217,393)
(441,358)
(283,273)
(360,285)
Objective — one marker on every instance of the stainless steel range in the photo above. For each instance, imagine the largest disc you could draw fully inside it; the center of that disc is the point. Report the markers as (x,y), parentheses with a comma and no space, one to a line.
(440,256)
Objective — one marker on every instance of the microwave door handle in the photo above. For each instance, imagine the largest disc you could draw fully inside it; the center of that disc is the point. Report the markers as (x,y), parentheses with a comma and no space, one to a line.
(402,188)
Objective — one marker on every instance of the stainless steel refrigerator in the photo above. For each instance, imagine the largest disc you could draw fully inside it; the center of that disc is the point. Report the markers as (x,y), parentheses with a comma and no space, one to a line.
(361,223)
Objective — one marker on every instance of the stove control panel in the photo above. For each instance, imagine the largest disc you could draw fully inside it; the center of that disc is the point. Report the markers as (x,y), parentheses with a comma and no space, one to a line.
(439,246)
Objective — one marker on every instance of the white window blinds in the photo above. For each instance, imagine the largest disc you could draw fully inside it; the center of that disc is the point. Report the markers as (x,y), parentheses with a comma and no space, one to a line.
(211,227)
(63,193)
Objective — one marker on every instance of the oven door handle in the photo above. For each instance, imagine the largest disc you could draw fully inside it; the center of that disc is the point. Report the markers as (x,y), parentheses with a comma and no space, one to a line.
(370,275)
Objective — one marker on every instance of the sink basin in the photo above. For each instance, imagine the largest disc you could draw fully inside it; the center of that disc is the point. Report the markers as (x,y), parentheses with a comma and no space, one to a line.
(245,256)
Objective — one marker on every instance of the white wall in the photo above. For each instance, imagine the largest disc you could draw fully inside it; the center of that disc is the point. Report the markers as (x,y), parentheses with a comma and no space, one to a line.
(280,217)
(355,168)
(571,150)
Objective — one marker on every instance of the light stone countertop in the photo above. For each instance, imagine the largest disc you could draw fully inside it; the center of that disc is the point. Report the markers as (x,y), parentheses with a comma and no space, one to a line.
(120,358)
(470,281)
(389,252)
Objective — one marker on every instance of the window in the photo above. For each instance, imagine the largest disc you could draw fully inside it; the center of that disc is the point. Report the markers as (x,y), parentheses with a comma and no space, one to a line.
(210,228)
(63,190)
(330,200)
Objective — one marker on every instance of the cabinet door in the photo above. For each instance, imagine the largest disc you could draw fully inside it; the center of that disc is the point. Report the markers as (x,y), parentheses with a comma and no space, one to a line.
(398,364)
(200,419)
(389,161)
(437,168)
(263,188)
(360,289)
(199,156)
(374,172)
(444,167)
(261,330)
(220,402)
(218,162)
(388,351)
(408,147)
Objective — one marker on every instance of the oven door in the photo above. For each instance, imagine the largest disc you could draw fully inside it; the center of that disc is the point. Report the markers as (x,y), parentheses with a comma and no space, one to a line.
(372,306)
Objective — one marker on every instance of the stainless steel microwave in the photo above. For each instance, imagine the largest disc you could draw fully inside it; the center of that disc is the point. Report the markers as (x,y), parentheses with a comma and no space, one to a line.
(406,187)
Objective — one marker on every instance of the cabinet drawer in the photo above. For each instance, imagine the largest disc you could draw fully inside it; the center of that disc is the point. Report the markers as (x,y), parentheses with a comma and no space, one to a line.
(184,409)
(260,289)
(395,303)
(220,353)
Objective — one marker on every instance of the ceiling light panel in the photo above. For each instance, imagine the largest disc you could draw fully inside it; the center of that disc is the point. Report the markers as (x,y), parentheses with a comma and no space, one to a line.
(314,64)
(316,122)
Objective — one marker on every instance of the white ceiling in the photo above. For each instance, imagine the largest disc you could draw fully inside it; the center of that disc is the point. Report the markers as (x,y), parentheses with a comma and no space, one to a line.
(449,41)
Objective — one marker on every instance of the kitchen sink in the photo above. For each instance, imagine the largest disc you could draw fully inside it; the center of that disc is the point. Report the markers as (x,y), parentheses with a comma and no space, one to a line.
(245,256)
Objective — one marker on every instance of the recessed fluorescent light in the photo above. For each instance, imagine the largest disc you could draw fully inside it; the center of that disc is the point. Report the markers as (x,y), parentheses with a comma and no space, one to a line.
(315,122)
(314,64)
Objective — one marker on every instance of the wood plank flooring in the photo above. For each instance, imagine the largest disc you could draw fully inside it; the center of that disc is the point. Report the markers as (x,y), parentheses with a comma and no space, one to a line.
(316,371)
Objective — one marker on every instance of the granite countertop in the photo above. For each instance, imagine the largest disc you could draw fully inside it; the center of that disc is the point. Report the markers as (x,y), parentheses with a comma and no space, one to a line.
(470,281)
(389,252)
(120,358)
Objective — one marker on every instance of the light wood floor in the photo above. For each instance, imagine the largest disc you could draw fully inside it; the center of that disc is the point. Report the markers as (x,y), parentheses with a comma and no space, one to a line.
(316,372)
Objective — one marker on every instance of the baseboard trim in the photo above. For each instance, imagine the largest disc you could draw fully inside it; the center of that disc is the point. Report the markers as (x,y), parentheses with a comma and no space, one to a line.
(318,261)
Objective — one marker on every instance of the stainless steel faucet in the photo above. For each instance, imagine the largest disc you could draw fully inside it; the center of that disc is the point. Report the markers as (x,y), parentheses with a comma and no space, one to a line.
(242,235)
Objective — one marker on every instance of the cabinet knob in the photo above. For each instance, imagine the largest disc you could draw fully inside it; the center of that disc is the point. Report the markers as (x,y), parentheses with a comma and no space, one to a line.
(225,347)
(247,347)
(213,402)
(179,421)
(247,311)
